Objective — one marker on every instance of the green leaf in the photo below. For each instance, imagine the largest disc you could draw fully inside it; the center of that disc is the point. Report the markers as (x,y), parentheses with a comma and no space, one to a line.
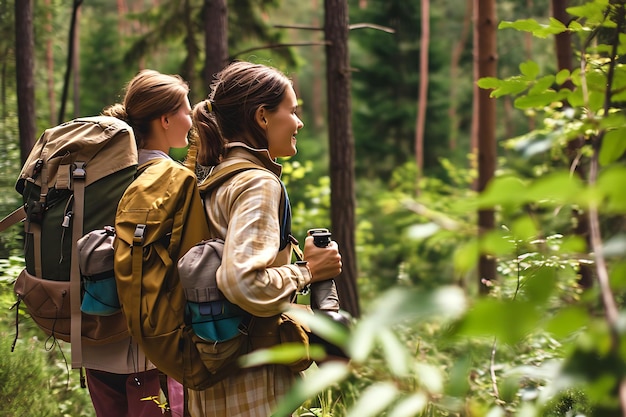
(430,377)
(374,400)
(315,381)
(534,27)
(508,321)
(510,86)
(559,187)
(567,321)
(562,76)
(542,85)
(540,285)
(537,100)
(610,183)
(497,242)
(395,353)
(284,353)
(593,11)
(503,190)
(613,146)
(530,69)
(489,82)
(466,257)
(410,406)
(399,305)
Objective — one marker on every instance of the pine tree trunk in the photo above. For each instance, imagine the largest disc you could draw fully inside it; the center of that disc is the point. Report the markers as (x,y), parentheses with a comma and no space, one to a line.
(50,63)
(454,76)
(24,69)
(422,102)
(341,149)
(76,67)
(215,38)
(485,60)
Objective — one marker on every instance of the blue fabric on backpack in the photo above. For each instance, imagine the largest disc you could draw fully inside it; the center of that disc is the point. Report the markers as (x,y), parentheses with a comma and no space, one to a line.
(216,321)
(100,298)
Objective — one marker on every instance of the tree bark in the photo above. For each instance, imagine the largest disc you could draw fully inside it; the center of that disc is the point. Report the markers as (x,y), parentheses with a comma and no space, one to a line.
(50,63)
(485,63)
(422,102)
(455,59)
(70,59)
(215,38)
(341,145)
(76,67)
(24,68)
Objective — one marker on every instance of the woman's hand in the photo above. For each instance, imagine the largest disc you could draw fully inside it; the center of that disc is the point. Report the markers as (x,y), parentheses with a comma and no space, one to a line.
(324,263)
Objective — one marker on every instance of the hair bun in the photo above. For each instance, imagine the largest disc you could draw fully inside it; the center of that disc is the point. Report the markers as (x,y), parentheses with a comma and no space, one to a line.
(116,110)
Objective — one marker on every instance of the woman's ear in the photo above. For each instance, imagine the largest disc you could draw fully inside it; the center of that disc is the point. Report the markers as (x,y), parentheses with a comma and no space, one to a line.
(164,122)
(259,116)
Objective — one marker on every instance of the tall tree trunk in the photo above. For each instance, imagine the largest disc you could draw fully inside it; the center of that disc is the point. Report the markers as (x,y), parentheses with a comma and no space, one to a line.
(422,102)
(50,63)
(76,67)
(528,49)
(317,81)
(341,142)
(485,61)
(70,59)
(215,39)
(564,56)
(122,24)
(455,59)
(188,70)
(25,80)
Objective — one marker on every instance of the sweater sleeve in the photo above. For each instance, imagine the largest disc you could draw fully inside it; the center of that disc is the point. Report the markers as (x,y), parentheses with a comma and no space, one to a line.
(246,212)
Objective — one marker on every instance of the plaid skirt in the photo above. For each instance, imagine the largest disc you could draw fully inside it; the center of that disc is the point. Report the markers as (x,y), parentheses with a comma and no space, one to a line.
(251,393)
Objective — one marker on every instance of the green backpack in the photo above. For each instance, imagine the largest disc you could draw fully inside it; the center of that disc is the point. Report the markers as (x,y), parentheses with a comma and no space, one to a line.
(71,183)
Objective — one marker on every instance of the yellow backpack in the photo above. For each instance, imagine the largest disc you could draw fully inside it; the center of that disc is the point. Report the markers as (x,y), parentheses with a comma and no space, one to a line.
(159,217)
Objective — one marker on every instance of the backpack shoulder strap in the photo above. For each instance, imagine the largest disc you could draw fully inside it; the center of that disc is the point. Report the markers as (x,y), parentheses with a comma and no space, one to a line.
(18,215)
(218,177)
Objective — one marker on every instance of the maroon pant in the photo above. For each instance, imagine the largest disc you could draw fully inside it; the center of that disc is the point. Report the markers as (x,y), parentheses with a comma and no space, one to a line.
(124,395)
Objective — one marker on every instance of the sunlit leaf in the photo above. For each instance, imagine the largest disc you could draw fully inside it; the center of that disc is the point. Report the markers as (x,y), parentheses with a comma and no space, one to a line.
(401,305)
(562,76)
(429,377)
(395,353)
(422,231)
(534,27)
(530,69)
(509,86)
(503,190)
(543,84)
(374,400)
(536,100)
(284,353)
(409,406)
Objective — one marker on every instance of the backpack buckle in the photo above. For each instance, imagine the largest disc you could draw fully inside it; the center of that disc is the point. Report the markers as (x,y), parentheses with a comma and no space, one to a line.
(79,170)
(139,235)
